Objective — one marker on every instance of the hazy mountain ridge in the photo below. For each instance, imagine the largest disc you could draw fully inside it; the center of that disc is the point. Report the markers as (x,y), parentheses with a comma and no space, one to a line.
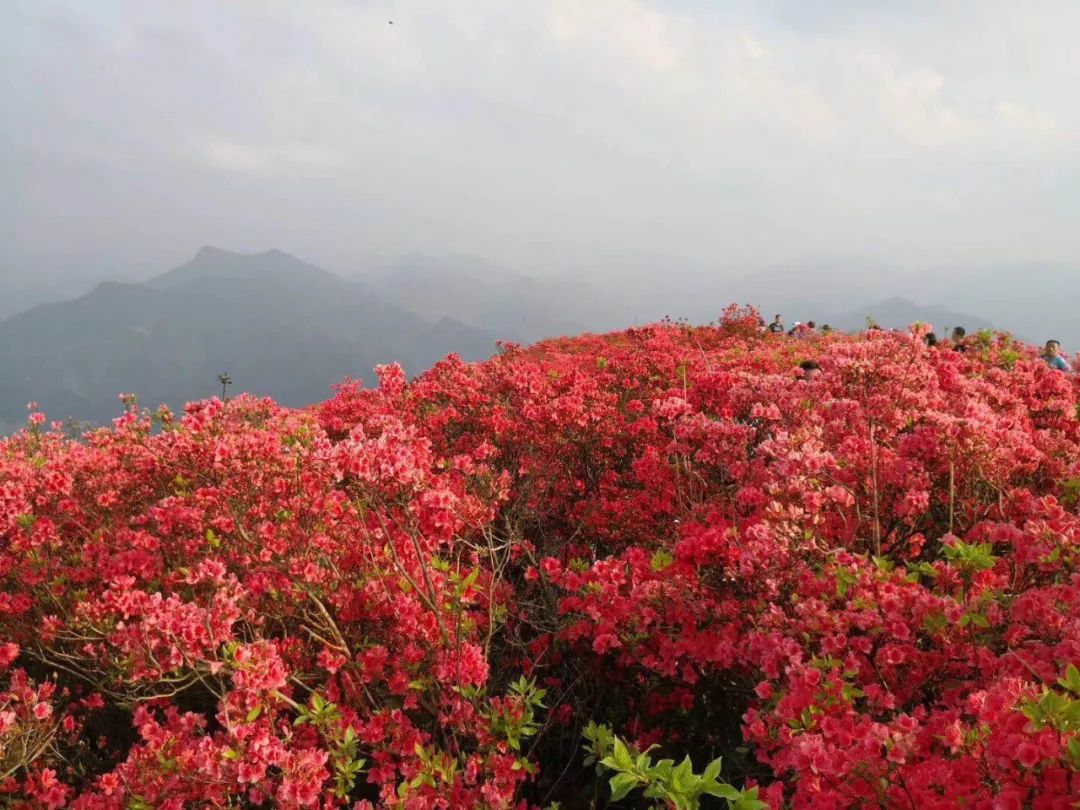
(290,329)
(19,293)
(290,332)
(520,308)
(899,313)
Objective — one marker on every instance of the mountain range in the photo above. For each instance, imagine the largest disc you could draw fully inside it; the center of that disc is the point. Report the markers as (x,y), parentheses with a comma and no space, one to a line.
(277,325)
(285,328)
(897,313)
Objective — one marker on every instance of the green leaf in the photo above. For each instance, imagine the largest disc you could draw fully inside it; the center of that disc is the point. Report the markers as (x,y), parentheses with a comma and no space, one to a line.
(749,804)
(253,715)
(1074,753)
(712,770)
(656,791)
(621,756)
(844,580)
(1071,713)
(621,784)
(883,563)
(724,791)
(1071,681)
(682,775)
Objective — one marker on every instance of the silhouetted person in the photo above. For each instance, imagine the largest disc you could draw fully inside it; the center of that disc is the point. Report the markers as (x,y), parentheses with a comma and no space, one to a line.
(777,326)
(1052,356)
(931,339)
(826,329)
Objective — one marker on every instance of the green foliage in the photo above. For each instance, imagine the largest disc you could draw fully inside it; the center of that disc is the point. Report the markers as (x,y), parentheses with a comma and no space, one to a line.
(1070,491)
(347,765)
(436,768)
(343,742)
(1061,712)
(661,559)
(970,558)
(513,725)
(844,580)
(919,570)
(1008,358)
(669,784)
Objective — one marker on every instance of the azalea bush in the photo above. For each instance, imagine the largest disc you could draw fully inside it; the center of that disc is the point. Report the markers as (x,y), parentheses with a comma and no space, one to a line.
(653,567)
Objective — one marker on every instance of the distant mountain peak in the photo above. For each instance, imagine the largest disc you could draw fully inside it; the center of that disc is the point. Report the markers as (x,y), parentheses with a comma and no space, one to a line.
(280,327)
(211,262)
(899,312)
(898,301)
(215,252)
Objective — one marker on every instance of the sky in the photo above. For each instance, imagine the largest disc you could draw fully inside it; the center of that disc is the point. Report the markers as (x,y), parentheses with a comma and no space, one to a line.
(546,135)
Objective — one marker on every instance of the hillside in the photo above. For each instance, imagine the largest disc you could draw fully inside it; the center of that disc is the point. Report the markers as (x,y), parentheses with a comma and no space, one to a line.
(22,291)
(551,575)
(278,326)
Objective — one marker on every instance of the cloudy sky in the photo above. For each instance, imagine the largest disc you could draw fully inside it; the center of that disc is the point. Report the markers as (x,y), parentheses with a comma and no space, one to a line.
(539,133)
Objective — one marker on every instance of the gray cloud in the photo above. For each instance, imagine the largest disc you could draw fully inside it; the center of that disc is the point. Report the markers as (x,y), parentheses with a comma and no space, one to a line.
(542,133)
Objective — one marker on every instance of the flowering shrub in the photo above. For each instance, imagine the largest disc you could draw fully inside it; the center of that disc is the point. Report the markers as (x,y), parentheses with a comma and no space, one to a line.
(859,590)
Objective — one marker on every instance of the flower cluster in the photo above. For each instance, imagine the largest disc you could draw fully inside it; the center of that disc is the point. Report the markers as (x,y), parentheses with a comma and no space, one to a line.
(860,590)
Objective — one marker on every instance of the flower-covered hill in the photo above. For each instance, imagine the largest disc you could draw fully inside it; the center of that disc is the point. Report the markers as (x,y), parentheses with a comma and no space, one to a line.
(501,583)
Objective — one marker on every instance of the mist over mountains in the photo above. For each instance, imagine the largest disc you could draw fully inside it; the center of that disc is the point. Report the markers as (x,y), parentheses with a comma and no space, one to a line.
(286,328)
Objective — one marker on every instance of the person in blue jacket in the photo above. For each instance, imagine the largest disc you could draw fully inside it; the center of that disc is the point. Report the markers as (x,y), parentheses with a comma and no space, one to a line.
(1052,356)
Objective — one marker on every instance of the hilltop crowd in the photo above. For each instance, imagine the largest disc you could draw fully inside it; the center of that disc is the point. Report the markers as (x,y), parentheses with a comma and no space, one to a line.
(959,340)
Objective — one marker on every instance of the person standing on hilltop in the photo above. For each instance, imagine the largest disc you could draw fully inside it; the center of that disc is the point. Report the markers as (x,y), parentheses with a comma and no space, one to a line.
(958,335)
(802,330)
(777,326)
(1052,356)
